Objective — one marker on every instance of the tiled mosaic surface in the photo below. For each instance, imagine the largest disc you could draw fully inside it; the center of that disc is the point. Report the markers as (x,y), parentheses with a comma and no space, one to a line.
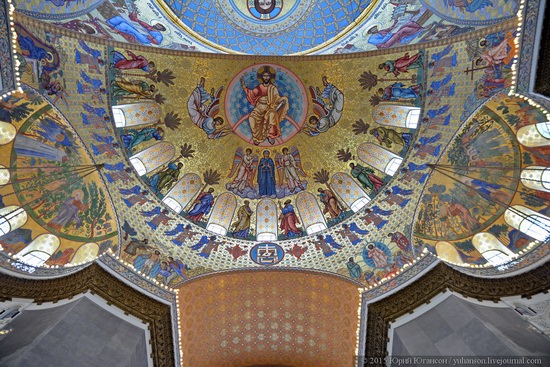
(397,205)
(312,26)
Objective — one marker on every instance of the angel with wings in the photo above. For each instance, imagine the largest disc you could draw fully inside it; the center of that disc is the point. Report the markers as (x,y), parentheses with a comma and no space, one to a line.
(203,108)
(328,107)
(244,166)
(289,169)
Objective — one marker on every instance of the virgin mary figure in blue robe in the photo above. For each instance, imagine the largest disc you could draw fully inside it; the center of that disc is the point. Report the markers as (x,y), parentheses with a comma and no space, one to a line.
(266,175)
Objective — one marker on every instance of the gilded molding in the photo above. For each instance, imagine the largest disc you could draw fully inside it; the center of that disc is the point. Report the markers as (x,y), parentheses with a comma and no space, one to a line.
(440,279)
(96,280)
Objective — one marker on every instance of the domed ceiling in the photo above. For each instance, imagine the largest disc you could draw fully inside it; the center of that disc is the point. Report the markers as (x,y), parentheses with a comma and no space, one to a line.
(266,27)
(358,164)
(360,168)
(51,173)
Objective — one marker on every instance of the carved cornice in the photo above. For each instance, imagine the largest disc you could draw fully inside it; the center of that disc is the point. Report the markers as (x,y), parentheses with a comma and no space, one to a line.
(98,281)
(438,280)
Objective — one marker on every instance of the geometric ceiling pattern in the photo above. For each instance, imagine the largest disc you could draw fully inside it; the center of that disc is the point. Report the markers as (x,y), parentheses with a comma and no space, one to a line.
(263,328)
(290,27)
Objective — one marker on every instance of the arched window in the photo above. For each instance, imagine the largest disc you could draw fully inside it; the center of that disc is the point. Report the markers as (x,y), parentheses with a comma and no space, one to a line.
(11,218)
(393,165)
(491,248)
(135,114)
(35,258)
(39,250)
(183,192)
(528,221)
(536,177)
(266,220)
(85,253)
(495,257)
(379,158)
(349,191)
(222,213)
(413,116)
(398,116)
(312,217)
(4,175)
(7,132)
(448,252)
(153,157)
(118,116)
(536,135)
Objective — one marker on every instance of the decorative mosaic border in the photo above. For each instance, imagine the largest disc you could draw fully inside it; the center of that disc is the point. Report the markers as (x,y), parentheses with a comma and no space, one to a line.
(135,278)
(260,58)
(7,67)
(534,255)
(525,64)
(409,274)
(264,269)
(10,265)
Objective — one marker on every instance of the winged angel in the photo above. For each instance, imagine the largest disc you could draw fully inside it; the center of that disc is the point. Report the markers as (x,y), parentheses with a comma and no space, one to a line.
(328,107)
(289,169)
(244,169)
(203,108)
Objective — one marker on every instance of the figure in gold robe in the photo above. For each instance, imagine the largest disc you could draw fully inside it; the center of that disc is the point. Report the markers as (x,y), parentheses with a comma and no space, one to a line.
(133,89)
(241,226)
(270,108)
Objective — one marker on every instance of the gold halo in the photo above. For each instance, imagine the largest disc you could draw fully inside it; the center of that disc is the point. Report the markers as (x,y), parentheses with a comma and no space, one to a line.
(78,191)
(261,71)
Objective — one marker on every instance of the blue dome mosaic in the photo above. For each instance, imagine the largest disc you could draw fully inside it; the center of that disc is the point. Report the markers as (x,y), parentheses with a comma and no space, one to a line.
(269,27)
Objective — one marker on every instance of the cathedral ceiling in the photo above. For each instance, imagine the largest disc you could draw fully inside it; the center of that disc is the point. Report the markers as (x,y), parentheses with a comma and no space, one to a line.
(329,176)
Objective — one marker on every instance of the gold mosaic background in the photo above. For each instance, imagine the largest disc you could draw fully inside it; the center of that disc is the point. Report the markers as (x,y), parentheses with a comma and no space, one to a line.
(316,153)
(357,76)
